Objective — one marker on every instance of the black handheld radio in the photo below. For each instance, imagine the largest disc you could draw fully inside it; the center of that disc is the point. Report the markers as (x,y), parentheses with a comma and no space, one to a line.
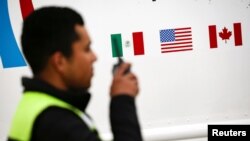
(120,60)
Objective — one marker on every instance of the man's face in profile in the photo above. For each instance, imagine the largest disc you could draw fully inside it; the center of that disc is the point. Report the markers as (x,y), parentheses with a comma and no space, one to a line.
(80,64)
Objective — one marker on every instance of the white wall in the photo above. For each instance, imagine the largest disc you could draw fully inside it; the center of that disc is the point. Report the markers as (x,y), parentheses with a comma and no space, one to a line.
(178,90)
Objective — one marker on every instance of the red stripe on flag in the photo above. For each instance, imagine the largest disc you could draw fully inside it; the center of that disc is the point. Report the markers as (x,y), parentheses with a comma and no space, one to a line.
(176,47)
(176,50)
(185,28)
(183,35)
(138,43)
(237,34)
(26,7)
(212,36)
(176,43)
(183,39)
(182,32)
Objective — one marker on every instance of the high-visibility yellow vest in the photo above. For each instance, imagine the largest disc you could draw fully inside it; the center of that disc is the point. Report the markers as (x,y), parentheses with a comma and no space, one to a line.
(31,105)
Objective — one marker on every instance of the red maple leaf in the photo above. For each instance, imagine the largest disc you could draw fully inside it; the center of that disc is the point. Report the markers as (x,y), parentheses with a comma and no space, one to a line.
(225,34)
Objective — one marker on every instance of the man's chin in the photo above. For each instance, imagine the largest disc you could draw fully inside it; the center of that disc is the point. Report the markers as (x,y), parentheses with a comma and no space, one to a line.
(81,87)
(87,86)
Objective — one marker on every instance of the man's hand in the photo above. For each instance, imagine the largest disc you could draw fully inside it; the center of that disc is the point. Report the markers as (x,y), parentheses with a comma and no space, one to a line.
(124,84)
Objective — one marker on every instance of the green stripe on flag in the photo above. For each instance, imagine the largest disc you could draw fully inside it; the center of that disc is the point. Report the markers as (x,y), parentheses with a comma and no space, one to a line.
(116,41)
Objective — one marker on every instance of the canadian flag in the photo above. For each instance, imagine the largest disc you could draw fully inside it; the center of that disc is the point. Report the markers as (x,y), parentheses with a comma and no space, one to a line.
(225,34)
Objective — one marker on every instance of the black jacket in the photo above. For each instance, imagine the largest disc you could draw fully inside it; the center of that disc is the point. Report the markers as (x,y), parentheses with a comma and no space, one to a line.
(58,124)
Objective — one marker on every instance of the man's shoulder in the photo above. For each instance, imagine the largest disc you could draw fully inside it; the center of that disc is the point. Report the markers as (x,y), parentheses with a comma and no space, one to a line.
(58,123)
(55,115)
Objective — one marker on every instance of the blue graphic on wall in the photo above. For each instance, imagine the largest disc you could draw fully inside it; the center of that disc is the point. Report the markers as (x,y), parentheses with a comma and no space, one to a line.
(9,51)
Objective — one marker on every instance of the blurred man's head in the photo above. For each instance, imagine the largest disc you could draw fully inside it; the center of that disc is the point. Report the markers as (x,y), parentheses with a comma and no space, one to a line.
(55,41)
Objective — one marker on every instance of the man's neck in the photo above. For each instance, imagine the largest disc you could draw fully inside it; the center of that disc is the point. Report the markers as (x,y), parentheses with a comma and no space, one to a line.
(53,79)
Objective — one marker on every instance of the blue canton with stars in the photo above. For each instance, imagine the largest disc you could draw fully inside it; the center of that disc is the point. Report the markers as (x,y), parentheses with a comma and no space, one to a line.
(167,35)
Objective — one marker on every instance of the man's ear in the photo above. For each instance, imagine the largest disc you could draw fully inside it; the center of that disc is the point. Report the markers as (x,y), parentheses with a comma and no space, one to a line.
(59,62)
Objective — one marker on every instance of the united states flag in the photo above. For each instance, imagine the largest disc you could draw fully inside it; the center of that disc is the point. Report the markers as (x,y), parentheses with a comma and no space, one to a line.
(175,40)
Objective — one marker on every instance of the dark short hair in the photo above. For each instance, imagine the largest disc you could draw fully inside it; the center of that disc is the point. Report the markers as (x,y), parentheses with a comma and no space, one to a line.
(46,31)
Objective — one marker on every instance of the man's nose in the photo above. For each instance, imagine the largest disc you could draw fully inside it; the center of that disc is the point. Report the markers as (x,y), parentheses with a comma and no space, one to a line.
(94,57)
